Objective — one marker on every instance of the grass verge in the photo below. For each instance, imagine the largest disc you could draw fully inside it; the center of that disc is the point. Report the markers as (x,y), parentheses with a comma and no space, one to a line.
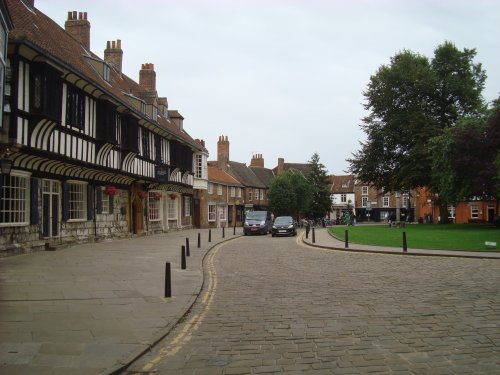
(469,237)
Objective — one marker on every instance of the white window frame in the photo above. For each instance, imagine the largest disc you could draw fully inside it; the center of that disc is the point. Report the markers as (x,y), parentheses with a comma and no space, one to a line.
(104,201)
(219,189)
(198,166)
(210,188)
(232,192)
(222,213)
(15,209)
(154,206)
(77,201)
(187,206)
(385,201)
(172,209)
(256,194)
(452,211)
(212,212)
(474,211)
(364,201)
(239,192)
(343,198)
(364,190)
(249,195)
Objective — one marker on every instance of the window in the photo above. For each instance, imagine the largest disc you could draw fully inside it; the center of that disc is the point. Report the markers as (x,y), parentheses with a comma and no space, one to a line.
(249,195)
(3,55)
(106,74)
(222,213)
(451,210)
(257,194)
(406,200)
(364,190)
(104,201)
(199,166)
(118,129)
(187,206)
(474,212)
(14,197)
(364,200)
(210,188)
(239,192)
(77,201)
(219,189)
(211,211)
(232,192)
(345,184)
(75,108)
(385,202)
(343,198)
(154,200)
(172,209)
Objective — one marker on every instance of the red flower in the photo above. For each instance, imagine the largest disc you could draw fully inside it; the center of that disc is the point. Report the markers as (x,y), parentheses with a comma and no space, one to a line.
(110,190)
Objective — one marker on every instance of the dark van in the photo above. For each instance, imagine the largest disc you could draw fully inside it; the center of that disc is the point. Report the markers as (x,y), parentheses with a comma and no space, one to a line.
(258,222)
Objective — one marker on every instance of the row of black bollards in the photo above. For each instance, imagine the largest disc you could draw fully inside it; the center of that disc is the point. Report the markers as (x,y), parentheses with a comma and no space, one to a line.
(185,252)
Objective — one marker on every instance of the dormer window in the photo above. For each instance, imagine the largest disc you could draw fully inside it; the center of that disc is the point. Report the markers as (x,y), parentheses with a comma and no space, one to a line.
(106,73)
(143,107)
(155,113)
(165,111)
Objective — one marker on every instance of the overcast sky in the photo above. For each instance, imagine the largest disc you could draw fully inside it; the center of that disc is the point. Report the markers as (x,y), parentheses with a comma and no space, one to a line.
(281,78)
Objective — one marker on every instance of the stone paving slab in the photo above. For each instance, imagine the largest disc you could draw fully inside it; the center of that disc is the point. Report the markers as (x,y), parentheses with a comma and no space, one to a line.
(90,308)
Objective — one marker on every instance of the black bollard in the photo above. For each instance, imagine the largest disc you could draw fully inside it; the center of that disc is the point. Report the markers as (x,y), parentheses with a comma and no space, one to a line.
(210,235)
(187,248)
(183,257)
(307,230)
(405,247)
(223,232)
(314,236)
(234,230)
(346,237)
(199,240)
(168,281)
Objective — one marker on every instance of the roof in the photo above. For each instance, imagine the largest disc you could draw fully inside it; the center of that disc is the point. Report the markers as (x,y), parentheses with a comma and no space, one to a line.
(265,175)
(303,168)
(342,184)
(40,33)
(217,175)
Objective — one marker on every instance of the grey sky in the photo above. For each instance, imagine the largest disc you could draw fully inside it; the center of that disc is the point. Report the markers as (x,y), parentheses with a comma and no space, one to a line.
(281,78)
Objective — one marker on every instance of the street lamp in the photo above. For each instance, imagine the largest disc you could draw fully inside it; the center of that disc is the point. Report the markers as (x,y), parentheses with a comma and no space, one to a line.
(6,163)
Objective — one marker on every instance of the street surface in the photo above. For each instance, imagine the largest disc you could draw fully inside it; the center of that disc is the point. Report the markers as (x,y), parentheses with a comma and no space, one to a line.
(272,305)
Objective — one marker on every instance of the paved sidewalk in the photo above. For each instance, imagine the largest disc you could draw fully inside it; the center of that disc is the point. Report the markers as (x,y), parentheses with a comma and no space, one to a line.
(324,240)
(91,308)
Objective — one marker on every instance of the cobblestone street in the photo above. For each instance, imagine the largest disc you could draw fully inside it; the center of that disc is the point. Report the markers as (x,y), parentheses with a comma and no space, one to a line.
(272,305)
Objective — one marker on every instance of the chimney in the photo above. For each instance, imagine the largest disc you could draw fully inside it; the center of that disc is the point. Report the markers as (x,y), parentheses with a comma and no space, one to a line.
(78,27)
(223,149)
(281,166)
(113,54)
(201,142)
(147,77)
(257,161)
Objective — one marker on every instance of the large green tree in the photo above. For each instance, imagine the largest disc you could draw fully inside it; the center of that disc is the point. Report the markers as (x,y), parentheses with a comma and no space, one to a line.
(410,101)
(321,202)
(464,158)
(290,194)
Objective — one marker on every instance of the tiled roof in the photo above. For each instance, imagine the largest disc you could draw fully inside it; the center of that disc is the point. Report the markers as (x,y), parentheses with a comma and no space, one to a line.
(34,29)
(264,174)
(342,184)
(216,174)
(303,168)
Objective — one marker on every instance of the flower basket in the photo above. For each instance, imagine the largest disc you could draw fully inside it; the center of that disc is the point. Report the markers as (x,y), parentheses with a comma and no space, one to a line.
(173,196)
(110,190)
(158,195)
(143,194)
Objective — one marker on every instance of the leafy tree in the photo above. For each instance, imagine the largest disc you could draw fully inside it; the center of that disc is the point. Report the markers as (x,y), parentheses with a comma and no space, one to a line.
(410,101)
(317,177)
(289,194)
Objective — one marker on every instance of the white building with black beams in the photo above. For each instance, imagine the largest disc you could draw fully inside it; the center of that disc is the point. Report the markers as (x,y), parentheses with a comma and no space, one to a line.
(94,153)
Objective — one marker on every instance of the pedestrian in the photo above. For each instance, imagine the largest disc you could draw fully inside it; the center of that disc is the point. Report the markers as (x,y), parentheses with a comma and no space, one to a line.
(347,219)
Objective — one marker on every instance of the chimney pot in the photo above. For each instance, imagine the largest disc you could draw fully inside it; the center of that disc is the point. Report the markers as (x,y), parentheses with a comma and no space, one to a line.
(78,27)
(113,54)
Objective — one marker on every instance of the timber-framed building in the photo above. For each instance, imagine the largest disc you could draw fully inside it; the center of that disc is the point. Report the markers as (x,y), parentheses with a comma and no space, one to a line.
(94,154)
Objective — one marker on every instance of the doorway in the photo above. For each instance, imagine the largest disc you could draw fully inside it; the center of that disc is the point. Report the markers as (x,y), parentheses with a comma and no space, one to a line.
(51,195)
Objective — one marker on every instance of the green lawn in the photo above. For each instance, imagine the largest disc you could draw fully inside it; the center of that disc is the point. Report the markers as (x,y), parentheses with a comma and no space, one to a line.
(470,237)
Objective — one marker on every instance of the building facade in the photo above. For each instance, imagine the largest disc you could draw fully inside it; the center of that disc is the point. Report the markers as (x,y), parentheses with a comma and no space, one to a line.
(94,153)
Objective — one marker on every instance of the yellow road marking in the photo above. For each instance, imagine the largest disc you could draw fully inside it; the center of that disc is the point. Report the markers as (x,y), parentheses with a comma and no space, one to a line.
(195,321)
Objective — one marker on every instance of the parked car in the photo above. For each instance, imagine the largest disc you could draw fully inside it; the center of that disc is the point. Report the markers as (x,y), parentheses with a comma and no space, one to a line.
(258,222)
(284,226)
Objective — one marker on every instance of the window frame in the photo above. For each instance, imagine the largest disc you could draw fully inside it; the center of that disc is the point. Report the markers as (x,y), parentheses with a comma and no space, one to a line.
(212,212)
(154,206)
(72,202)
(19,198)
(474,211)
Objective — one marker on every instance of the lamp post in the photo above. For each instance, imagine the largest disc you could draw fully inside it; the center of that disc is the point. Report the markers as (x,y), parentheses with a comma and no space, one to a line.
(6,162)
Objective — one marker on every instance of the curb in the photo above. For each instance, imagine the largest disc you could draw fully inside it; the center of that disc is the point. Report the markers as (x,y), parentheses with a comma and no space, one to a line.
(136,354)
(456,254)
